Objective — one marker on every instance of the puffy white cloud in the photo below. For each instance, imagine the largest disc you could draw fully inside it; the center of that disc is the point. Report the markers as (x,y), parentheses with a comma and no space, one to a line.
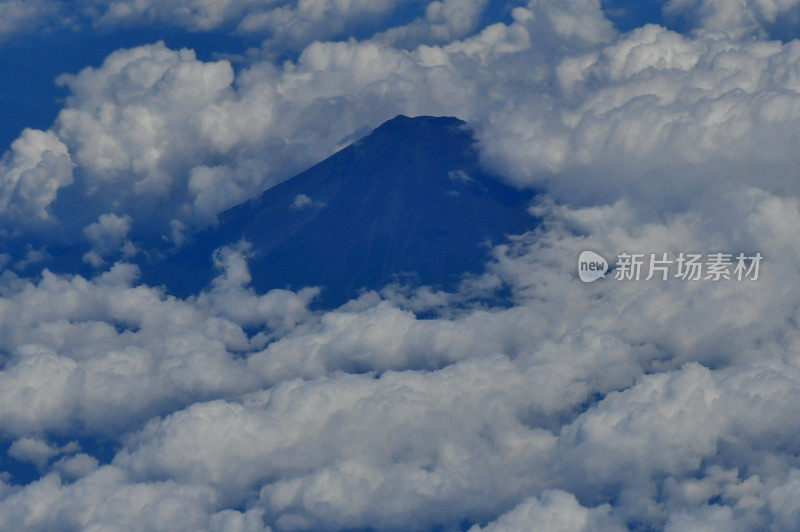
(106,499)
(32,256)
(297,23)
(426,440)
(31,174)
(81,349)
(556,510)
(38,452)
(196,15)
(109,232)
(443,22)
(739,18)
(142,102)
(75,467)
(348,418)
(285,25)
(668,116)
(24,16)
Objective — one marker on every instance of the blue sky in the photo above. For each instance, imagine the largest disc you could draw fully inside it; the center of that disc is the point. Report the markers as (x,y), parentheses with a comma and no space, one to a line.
(519,397)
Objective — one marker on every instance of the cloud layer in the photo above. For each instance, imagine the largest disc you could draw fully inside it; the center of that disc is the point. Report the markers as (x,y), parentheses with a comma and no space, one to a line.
(659,404)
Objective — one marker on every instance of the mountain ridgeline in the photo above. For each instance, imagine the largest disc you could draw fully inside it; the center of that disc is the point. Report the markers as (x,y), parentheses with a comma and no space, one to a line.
(409,202)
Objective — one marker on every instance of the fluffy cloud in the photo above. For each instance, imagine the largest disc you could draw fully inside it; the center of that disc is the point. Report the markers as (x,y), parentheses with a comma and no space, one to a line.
(24,16)
(670,117)
(444,21)
(195,15)
(282,25)
(142,102)
(299,23)
(108,235)
(107,499)
(740,18)
(323,476)
(578,388)
(66,333)
(293,25)
(38,452)
(31,174)
(557,511)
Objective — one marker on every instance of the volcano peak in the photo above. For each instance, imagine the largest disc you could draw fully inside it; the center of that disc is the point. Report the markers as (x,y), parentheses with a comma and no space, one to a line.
(408,200)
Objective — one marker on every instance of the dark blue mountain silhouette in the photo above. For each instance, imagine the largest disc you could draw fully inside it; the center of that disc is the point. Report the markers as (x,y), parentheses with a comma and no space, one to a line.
(408,201)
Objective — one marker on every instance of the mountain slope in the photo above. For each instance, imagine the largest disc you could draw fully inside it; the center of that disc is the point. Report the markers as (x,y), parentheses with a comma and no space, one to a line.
(408,200)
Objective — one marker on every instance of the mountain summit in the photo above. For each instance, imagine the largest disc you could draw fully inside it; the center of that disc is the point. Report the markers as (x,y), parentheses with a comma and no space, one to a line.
(409,200)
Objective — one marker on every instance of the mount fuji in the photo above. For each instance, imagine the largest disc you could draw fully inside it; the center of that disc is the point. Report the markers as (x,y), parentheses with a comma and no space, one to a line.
(407,202)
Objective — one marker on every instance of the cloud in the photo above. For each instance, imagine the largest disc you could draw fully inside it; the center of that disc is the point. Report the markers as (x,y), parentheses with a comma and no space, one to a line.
(443,22)
(38,452)
(347,418)
(296,24)
(302,201)
(31,174)
(557,510)
(325,477)
(195,15)
(283,26)
(670,117)
(107,499)
(75,467)
(25,16)
(761,18)
(142,102)
(81,350)
(109,232)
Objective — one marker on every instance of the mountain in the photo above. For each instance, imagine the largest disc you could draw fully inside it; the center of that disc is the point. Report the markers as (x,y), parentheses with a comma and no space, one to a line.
(408,201)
